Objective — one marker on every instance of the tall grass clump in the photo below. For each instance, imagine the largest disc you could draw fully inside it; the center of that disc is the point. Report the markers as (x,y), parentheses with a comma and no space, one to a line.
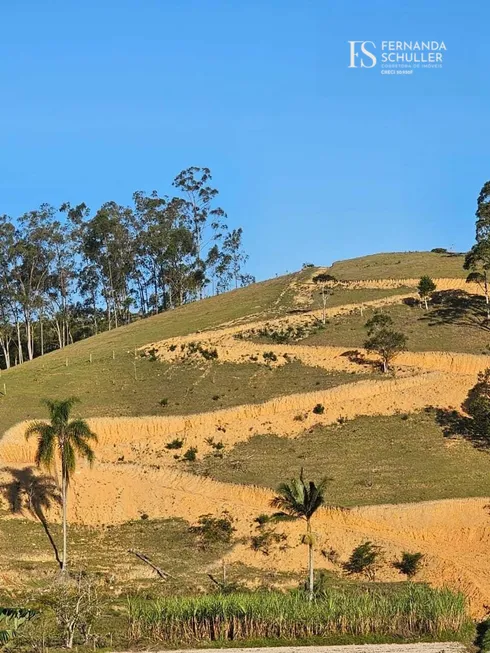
(413,611)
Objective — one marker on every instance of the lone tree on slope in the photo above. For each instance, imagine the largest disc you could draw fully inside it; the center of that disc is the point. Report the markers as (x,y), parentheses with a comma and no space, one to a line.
(69,437)
(300,499)
(383,339)
(325,281)
(425,289)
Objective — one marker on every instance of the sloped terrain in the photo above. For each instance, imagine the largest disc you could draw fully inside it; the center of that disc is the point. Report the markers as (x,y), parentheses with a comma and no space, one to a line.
(255,364)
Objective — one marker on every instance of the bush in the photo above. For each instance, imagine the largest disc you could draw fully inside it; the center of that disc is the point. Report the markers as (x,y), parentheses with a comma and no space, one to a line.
(409,563)
(269,356)
(265,539)
(214,530)
(164,402)
(319,409)
(439,250)
(190,455)
(364,560)
(174,444)
(477,405)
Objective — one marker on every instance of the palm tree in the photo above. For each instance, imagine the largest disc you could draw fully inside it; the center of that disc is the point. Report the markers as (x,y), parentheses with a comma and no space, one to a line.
(70,437)
(300,499)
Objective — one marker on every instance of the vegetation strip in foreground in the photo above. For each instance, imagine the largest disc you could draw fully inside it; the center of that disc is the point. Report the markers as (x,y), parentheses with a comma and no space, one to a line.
(415,611)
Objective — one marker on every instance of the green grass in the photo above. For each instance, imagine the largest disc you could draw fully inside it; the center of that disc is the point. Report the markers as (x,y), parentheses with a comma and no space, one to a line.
(455,322)
(187,388)
(343,296)
(400,265)
(116,382)
(412,611)
(370,460)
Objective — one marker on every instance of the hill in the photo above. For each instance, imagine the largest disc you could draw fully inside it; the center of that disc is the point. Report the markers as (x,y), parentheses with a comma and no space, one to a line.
(210,406)
(400,265)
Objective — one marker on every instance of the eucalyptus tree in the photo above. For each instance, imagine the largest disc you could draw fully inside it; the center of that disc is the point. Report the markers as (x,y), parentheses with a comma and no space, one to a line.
(31,256)
(326,282)
(477,260)
(205,221)
(62,438)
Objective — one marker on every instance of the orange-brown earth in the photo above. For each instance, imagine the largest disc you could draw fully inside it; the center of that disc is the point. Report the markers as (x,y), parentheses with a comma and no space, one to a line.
(135,473)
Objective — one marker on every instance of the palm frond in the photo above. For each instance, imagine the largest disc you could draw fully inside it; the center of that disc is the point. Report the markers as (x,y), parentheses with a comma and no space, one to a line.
(79,428)
(84,449)
(60,409)
(299,498)
(46,437)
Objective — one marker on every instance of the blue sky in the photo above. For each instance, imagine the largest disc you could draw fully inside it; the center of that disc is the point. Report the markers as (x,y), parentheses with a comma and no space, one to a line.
(316,161)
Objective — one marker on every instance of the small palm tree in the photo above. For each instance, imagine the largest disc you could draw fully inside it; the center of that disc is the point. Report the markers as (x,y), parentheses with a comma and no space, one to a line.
(300,499)
(70,437)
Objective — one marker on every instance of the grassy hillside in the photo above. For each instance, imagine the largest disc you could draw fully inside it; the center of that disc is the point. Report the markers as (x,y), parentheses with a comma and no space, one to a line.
(368,460)
(455,321)
(400,265)
(119,381)
(376,459)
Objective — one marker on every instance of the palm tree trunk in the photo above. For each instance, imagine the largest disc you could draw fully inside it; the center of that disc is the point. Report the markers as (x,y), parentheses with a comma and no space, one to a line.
(310,561)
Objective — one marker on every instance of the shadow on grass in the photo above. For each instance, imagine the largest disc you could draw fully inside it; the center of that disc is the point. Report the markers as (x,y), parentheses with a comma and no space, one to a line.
(31,491)
(456,307)
(455,424)
(359,358)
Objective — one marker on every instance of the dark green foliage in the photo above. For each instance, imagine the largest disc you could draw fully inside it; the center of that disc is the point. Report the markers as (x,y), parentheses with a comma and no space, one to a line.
(265,539)
(439,250)
(197,348)
(377,322)
(217,446)
(11,619)
(383,340)
(319,409)
(299,498)
(478,258)
(164,402)
(176,443)
(190,455)
(483,637)
(214,530)
(323,277)
(269,356)
(477,405)
(425,288)
(409,564)
(364,560)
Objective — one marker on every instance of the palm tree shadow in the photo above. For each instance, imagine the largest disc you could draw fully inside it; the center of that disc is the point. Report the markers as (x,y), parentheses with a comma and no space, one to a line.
(31,491)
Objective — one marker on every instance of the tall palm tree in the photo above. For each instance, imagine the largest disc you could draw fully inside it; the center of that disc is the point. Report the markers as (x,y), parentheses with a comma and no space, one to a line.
(70,437)
(300,499)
